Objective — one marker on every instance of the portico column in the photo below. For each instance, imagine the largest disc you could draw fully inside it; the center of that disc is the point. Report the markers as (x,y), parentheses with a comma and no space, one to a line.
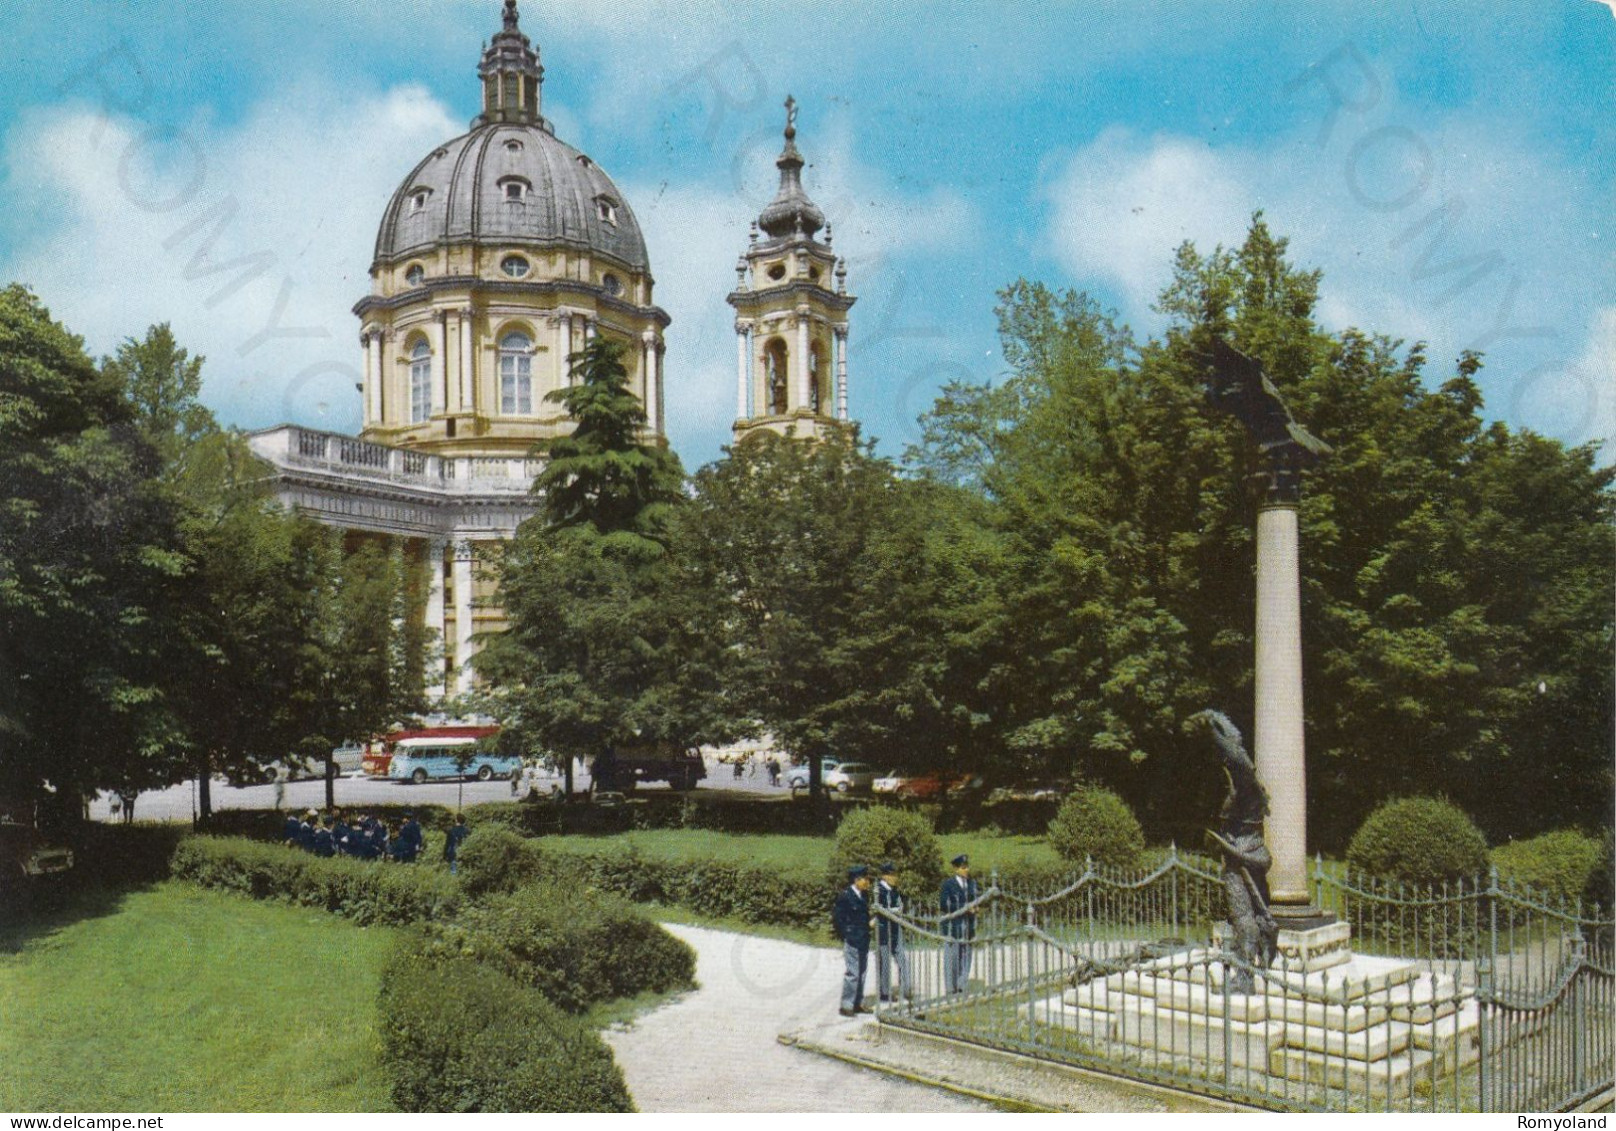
(462,597)
(804,397)
(434,611)
(373,377)
(742,377)
(648,378)
(566,350)
(1279,743)
(841,373)
(658,354)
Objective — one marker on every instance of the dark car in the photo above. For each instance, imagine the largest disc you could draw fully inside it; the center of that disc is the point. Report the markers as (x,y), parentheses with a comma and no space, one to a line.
(25,853)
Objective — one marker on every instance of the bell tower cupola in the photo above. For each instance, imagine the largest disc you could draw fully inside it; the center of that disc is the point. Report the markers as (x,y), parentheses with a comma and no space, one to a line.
(791,306)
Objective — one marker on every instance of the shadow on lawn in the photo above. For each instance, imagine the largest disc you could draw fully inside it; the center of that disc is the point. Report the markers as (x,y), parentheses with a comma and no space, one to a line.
(109,862)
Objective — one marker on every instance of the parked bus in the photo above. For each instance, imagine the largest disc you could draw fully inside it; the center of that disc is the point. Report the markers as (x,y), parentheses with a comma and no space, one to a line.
(424,759)
(378,754)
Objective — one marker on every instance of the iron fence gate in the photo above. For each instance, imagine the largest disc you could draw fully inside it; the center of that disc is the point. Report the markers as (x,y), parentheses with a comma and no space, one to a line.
(1469,997)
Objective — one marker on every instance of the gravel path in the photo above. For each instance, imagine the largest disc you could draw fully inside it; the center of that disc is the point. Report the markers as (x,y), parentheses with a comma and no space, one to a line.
(716,1049)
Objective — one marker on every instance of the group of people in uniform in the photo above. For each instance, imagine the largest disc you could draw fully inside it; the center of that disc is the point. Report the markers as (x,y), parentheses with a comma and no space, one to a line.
(329,834)
(852,915)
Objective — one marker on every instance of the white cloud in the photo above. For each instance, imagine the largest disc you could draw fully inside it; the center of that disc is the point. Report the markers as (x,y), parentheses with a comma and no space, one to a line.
(1437,234)
(290,197)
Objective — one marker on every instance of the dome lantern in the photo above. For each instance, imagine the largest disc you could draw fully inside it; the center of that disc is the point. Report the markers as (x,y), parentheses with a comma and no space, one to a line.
(511,76)
(791,213)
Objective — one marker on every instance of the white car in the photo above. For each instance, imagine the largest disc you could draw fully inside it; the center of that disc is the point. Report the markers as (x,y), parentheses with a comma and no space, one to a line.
(889,784)
(849,777)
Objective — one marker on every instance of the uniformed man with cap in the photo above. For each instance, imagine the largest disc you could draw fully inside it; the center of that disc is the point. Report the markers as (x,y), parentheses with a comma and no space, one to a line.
(851,918)
(959,891)
(889,935)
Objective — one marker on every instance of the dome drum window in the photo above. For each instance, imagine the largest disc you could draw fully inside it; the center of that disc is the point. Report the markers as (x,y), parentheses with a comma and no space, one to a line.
(416,275)
(516,374)
(420,381)
(515,266)
(612,284)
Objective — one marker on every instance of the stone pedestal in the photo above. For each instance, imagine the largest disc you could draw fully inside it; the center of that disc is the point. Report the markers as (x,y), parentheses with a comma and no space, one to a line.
(1320,1014)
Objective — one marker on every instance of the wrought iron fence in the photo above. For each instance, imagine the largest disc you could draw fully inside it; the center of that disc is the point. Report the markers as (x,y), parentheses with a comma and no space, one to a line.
(1474,997)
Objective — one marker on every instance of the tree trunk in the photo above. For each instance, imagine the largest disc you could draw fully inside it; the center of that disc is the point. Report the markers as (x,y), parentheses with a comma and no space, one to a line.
(330,785)
(567,771)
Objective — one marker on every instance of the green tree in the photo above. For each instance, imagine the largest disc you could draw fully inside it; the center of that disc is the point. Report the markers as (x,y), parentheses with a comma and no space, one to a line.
(598,654)
(811,566)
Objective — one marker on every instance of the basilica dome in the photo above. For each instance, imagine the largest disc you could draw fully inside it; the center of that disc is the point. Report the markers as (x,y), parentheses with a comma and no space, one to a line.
(510,183)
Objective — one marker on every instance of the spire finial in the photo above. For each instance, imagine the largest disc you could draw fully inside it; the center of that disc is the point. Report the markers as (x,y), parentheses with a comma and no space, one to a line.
(791,117)
(510,15)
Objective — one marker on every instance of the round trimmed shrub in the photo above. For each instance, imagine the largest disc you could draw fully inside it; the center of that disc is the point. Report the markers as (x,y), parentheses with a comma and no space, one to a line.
(1558,865)
(1094,823)
(877,834)
(494,859)
(1419,840)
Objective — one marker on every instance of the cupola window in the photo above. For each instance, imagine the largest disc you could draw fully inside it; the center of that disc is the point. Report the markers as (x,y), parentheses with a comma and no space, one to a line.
(777,272)
(516,375)
(515,266)
(418,199)
(513,146)
(420,381)
(416,275)
(514,188)
(606,209)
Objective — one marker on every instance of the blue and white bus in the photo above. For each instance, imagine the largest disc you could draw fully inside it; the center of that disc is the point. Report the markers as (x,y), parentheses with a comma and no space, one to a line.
(421,760)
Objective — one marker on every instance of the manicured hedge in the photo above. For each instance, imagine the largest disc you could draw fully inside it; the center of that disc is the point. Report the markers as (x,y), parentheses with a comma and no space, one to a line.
(495,859)
(576,946)
(1095,824)
(363,890)
(1557,865)
(1419,840)
(545,817)
(874,836)
(460,1036)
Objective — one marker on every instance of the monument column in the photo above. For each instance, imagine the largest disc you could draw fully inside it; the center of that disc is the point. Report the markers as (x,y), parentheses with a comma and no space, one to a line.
(1236,384)
(1279,744)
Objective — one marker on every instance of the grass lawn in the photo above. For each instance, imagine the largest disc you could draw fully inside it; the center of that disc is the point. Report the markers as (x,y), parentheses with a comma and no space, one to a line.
(811,853)
(179,999)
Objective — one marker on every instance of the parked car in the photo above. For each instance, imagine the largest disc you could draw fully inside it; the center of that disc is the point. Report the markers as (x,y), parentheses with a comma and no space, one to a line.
(25,852)
(421,760)
(891,782)
(796,777)
(850,777)
(933,787)
(349,760)
(1031,791)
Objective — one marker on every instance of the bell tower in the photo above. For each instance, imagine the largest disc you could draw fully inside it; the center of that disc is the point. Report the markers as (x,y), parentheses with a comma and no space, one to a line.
(791,305)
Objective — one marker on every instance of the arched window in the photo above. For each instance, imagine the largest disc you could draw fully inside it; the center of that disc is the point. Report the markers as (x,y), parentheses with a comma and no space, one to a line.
(777,376)
(420,381)
(516,374)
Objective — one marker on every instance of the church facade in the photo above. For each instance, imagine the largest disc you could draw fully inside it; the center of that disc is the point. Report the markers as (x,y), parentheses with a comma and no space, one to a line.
(502,253)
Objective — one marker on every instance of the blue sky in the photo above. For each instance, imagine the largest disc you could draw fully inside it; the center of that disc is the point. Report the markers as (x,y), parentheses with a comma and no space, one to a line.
(1450,167)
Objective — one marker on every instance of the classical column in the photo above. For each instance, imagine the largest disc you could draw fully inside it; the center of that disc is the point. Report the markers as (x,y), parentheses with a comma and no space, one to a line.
(648,379)
(804,397)
(742,377)
(566,350)
(372,344)
(437,338)
(467,400)
(434,613)
(841,373)
(463,566)
(1278,744)
(661,352)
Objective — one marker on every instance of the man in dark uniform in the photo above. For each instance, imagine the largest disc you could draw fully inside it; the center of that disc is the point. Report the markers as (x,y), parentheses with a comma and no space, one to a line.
(341,835)
(305,831)
(889,935)
(959,891)
(410,839)
(451,843)
(322,845)
(292,830)
(851,918)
